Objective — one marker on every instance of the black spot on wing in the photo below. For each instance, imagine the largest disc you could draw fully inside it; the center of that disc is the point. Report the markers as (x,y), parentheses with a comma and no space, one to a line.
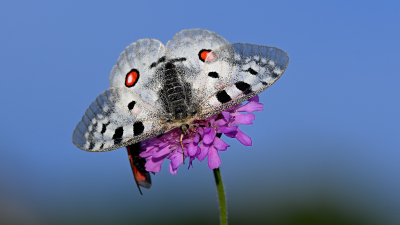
(264,83)
(274,75)
(138,128)
(102,145)
(223,97)
(104,128)
(243,86)
(131,105)
(119,132)
(91,145)
(213,74)
(253,72)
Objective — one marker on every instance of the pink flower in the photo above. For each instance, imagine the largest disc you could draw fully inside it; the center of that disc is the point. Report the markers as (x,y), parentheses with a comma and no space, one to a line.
(202,140)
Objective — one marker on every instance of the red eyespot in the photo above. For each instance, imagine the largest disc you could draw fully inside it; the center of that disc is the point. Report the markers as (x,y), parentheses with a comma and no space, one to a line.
(203,54)
(131,78)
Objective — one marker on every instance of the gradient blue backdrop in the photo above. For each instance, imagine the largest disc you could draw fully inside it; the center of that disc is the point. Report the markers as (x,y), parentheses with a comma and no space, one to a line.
(330,125)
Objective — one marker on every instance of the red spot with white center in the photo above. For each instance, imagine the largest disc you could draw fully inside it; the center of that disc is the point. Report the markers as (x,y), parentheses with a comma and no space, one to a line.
(206,54)
(131,78)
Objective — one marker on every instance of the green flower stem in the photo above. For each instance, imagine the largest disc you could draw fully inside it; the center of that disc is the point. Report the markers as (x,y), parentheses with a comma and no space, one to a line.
(221,197)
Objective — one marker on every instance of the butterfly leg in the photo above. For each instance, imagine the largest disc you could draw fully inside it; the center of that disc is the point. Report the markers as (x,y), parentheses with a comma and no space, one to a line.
(183,149)
(184,129)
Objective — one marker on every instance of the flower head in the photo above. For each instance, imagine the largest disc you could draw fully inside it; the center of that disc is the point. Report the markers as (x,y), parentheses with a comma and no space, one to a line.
(202,140)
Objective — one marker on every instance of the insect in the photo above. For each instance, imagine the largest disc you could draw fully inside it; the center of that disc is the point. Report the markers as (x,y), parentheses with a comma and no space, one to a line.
(156,88)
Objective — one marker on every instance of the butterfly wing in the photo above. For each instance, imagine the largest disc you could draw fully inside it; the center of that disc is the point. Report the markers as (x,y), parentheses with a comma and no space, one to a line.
(142,177)
(133,109)
(218,75)
(117,118)
(136,70)
(236,72)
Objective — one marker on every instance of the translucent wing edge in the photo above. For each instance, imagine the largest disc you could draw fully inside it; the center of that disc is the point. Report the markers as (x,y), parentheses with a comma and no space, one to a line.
(125,142)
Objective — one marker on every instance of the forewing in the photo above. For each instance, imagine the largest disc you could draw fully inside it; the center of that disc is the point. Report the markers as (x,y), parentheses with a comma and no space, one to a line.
(237,72)
(185,51)
(117,118)
(141,57)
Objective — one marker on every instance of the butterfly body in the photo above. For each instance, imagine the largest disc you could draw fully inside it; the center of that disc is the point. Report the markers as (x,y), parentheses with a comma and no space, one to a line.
(174,98)
(175,94)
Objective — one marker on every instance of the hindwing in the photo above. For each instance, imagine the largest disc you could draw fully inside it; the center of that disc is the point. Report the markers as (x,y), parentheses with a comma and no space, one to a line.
(117,118)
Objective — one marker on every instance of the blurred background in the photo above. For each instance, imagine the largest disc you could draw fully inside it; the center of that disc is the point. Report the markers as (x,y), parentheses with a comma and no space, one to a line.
(325,148)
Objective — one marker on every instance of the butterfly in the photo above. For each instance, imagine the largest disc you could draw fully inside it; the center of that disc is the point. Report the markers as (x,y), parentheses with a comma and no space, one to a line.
(156,88)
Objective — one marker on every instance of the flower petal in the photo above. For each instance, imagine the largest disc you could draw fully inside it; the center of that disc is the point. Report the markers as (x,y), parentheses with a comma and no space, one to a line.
(186,140)
(251,107)
(191,161)
(254,99)
(203,151)
(220,144)
(196,138)
(209,135)
(227,129)
(226,115)
(162,153)
(154,165)
(192,149)
(223,120)
(149,152)
(232,134)
(176,160)
(171,170)
(201,131)
(163,144)
(213,158)
(243,138)
(244,119)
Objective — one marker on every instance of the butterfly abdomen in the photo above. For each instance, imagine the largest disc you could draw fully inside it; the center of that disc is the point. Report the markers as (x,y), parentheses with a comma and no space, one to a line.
(175,92)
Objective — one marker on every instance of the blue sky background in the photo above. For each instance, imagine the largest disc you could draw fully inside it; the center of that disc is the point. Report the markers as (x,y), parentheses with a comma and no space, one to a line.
(329,134)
